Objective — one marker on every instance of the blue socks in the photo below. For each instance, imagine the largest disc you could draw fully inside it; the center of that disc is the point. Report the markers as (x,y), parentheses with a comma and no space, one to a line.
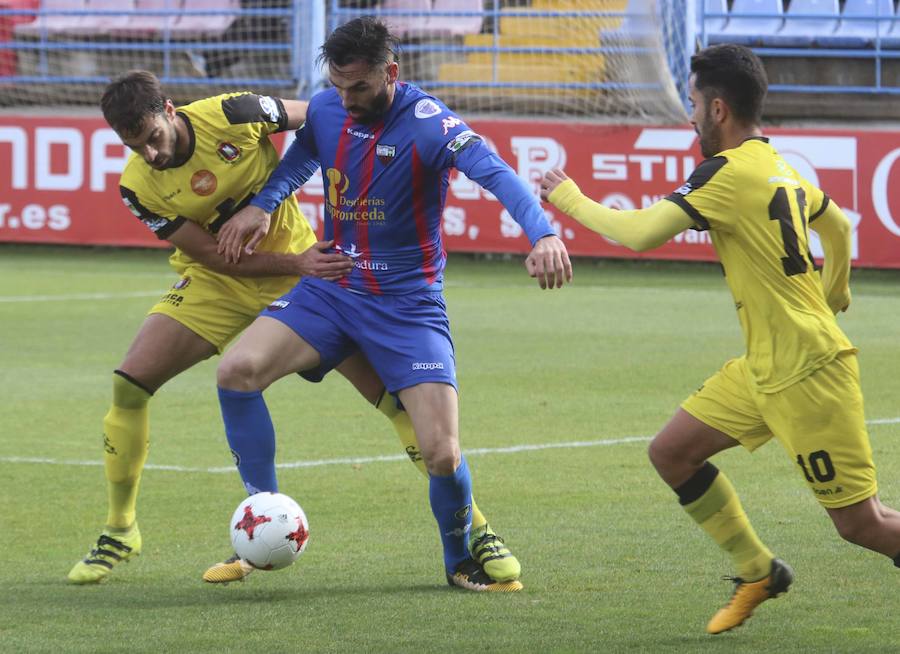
(451,503)
(251,437)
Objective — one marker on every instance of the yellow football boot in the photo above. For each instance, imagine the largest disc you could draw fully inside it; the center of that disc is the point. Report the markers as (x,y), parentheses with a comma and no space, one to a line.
(233,569)
(748,595)
(471,576)
(494,556)
(110,550)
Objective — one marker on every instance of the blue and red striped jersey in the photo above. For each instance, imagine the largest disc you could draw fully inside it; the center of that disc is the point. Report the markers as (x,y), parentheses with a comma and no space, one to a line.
(385,185)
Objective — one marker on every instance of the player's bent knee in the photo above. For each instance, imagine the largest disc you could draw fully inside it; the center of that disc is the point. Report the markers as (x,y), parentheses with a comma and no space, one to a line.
(662,457)
(239,372)
(442,463)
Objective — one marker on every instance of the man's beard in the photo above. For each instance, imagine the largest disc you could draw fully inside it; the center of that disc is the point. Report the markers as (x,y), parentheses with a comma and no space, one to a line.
(711,141)
(377,109)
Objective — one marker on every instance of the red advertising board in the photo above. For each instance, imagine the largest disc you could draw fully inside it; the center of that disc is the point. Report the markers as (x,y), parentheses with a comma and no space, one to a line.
(59,184)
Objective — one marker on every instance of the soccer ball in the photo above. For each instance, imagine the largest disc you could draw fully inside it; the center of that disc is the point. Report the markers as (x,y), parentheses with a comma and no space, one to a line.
(269,531)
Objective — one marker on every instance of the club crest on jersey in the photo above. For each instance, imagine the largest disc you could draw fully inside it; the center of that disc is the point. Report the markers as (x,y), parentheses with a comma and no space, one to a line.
(228,152)
(385,153)
(427,108)
(203,182)
(184,282)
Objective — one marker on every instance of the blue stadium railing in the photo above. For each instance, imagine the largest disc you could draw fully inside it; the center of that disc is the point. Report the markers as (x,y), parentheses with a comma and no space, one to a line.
(673,20)
(877,54)
(304,37)
(307,27)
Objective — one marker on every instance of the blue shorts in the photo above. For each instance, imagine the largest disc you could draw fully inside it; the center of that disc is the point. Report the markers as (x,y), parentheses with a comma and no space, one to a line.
(406,338)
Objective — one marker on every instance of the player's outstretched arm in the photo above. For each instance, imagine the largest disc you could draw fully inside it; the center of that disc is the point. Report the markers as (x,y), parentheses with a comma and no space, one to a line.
(296,112)
(548,260)
(317,261)
(638,229)
(834,232)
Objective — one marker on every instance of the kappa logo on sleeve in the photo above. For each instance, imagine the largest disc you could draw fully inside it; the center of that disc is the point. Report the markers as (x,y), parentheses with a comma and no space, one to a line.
(449,123)
(427,108)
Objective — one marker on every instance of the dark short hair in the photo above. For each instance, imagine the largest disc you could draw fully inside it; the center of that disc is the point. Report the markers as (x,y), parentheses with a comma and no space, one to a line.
(130,99)
(735,74)
(362,39)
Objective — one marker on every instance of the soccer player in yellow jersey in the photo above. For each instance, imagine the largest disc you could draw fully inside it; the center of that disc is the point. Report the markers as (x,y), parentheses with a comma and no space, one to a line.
(191,169)
(798,380)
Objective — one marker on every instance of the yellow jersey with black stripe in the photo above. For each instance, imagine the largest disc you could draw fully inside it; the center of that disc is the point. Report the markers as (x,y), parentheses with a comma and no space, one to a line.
(231,158)
(758,209)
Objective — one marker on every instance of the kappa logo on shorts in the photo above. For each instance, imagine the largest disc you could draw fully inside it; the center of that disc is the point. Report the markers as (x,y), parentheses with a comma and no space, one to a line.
(184,282)
(278,305)
(428,365)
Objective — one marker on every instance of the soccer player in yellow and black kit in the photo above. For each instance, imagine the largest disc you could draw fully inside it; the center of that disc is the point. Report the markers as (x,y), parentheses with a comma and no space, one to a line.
(798,380)
(190,171)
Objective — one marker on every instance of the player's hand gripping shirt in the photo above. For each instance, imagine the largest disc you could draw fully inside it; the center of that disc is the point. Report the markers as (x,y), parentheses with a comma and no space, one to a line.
(385,185)
(230,159)
(758,209)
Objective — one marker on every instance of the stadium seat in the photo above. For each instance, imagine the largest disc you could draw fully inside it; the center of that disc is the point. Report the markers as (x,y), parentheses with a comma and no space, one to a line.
(150,25)
(637,25)
(100,23)
(54,24)
(194,26)
(7,25)
(860,33)
(749,30)
(20,5)
(715,25)
(455,25)
(560,27)
(891,41)
(408,26)
(802,32)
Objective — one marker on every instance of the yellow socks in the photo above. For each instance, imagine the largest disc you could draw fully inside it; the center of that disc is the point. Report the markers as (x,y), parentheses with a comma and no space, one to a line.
(126,430)
(710,499)
(404,428)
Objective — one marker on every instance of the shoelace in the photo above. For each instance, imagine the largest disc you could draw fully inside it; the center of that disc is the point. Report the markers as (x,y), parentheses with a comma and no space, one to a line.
(100,551)
(488,541)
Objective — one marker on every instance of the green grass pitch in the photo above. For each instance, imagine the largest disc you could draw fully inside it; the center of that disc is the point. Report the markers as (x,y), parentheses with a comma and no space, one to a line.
(560,391)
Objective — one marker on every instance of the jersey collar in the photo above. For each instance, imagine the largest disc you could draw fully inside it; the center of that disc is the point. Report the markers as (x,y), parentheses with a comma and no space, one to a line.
(192,139)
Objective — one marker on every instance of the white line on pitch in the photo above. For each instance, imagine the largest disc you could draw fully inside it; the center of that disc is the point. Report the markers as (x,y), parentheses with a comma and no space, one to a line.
(78,296)
(383,458)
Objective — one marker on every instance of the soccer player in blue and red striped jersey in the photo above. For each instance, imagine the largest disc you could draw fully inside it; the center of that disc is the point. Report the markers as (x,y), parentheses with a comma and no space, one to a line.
(385,149)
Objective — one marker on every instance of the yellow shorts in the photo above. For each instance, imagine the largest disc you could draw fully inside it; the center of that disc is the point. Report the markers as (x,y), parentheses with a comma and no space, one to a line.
(819,421)
(219,307)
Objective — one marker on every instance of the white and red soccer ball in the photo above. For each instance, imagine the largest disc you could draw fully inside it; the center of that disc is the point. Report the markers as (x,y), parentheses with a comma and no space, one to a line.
(269,531)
